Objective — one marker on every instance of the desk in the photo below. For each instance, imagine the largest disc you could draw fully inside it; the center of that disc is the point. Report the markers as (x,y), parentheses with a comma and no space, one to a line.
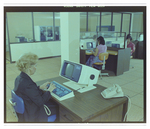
(109,51)
(112,52)
(118,61)
(90,106)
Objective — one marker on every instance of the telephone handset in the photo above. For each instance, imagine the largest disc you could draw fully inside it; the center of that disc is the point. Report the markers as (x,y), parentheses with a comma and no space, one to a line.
(113,92)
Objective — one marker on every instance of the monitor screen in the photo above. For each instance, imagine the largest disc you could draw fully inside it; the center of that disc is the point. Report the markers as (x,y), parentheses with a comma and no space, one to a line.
(71,71)
(89,45)
(108,43)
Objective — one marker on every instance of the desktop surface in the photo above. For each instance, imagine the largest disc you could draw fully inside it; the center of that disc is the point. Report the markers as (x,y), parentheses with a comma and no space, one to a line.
(84,106)
(111,52)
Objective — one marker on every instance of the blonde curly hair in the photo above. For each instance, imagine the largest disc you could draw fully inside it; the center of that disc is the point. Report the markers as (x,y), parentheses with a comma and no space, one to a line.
(26,61)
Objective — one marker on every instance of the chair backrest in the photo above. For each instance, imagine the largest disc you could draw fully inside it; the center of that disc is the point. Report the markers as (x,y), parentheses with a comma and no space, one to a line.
(17,102)
(102,55)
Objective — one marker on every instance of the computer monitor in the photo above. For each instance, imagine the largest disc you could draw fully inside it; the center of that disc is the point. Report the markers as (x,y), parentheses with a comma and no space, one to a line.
(87,45)
(81,77)
(108,43)
(83,44)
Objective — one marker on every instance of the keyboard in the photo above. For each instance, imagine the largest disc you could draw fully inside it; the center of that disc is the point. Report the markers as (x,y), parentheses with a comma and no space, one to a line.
(88,50)
(61,92)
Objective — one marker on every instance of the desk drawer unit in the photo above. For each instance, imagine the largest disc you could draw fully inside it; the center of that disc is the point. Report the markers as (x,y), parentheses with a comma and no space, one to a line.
(67,116)
(113,115)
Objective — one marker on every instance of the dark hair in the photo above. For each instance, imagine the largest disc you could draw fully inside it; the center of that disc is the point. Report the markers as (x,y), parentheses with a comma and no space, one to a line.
(101,39)
(129,37)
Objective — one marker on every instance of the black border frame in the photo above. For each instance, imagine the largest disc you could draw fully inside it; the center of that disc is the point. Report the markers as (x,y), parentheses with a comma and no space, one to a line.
(78,9)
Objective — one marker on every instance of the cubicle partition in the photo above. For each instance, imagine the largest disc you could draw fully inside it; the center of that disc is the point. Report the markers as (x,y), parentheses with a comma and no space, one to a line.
(112,38)
(42,49)
(119,56)
(120,62)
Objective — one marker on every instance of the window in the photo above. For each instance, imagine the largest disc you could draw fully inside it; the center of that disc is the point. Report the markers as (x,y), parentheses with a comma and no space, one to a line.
(137,25)
(106,21)
(93,20)
(83,16)
(117,21)
(57,26)
(43,26)
(126,23)
(20,26)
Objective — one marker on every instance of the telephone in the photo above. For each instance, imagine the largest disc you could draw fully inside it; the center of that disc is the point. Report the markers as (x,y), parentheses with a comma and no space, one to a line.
(113,92)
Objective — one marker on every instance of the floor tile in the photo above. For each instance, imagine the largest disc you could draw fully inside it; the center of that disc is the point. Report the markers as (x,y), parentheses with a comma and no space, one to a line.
(11,77)
(128,77)
(140,81)
(135,113)
(128,92)
(116,81)
(133,87)
(138,100)
(10,84)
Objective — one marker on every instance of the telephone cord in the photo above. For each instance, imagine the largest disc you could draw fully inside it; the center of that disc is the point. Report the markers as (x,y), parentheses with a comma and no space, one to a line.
(129,106)
(47,110)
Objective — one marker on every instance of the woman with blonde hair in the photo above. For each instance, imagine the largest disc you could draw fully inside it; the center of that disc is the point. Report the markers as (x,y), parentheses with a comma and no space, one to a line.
(33,96)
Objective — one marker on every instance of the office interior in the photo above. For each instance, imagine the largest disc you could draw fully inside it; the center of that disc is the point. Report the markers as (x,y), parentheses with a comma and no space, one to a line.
(43,34)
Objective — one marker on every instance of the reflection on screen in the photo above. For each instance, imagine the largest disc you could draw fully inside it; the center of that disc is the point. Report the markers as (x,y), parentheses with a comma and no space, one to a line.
(89,45)
(69,70)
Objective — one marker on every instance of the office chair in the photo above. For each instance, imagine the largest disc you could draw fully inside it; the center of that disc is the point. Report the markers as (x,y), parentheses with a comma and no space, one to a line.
(131,65)
(18,106)
(104,57)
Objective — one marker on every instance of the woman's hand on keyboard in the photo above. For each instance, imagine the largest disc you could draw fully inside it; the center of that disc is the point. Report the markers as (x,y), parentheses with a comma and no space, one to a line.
(52,87)
(44,86)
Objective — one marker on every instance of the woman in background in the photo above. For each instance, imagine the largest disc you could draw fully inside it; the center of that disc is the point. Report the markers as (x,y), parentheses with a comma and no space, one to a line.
(33,96)
(130,44)
(101,48)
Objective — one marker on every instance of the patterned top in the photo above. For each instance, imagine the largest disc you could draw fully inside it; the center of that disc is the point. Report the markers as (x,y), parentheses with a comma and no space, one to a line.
(101,49)
(132,46)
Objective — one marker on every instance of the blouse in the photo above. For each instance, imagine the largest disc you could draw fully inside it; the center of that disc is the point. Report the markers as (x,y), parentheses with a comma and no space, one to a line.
(101,49)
